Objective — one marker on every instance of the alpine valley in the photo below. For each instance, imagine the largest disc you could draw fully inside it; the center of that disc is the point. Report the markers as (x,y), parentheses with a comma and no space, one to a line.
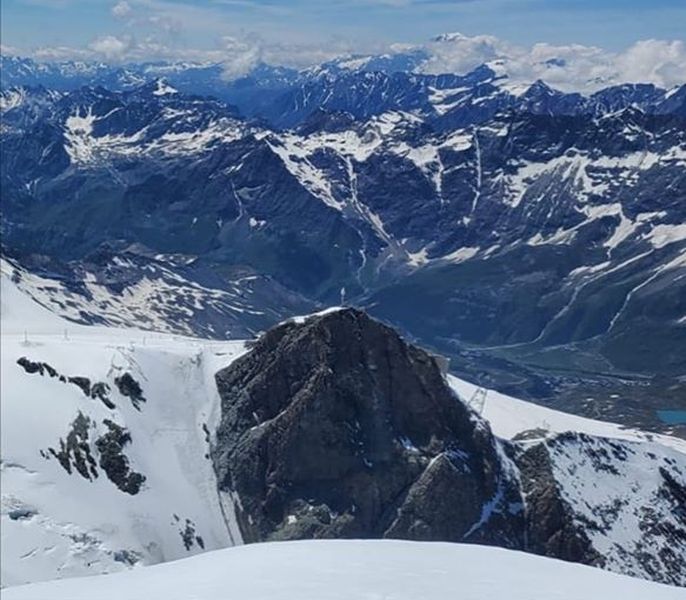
(493,352)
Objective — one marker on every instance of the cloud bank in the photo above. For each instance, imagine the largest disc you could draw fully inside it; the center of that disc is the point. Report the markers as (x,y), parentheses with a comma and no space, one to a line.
(567,67)
(153,30)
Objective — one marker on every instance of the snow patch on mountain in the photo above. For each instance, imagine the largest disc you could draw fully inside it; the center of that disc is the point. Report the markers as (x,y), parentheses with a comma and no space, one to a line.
(628,516)
(164,89)
(662,235)
(12,98)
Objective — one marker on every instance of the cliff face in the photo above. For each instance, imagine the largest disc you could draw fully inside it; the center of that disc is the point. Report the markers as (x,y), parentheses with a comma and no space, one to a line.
(335,427)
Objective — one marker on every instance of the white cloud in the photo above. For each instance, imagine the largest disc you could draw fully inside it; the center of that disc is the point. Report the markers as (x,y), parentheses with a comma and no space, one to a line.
(121,9)
(110,47)
(58,53)
(6,50)
(657,61)
(239,56)
(568,67)
(457,53)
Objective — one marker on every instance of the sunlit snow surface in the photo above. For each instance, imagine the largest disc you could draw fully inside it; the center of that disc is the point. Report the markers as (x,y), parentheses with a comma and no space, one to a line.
(355,570)
(76,526)
(509,417)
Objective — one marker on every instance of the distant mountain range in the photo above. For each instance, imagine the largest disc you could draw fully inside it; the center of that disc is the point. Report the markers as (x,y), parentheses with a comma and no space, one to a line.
(536,237)
(363,86)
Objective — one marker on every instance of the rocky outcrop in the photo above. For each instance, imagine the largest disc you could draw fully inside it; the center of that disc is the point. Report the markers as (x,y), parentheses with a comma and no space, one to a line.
(98,390)
(77,453)
(551,530)
(605,502)
(113,460)
(130,388)
(335,427)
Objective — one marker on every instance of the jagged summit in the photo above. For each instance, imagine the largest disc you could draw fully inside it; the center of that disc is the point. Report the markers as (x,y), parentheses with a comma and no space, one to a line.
(329,426)
(333,426)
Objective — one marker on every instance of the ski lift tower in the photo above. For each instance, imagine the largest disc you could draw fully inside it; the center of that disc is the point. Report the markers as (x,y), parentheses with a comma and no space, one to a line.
(478,399)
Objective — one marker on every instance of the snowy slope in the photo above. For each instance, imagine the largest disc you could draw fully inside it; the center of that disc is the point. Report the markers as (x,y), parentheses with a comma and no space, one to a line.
(56,524)
(616,483)
(338,570)
(158,294)
(628,520)
(510,418)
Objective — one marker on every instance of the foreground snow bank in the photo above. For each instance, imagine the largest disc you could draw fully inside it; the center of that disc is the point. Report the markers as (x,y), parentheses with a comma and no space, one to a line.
(337,570)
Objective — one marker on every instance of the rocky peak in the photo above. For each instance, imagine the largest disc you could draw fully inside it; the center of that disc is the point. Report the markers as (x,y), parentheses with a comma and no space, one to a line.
(333,426)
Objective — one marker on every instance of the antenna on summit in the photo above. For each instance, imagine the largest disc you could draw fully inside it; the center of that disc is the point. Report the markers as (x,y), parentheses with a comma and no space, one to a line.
(343,296)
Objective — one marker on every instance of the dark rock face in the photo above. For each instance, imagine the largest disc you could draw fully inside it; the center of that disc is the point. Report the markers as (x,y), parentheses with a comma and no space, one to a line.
(334,427)
(32,367)
(77,453)
(550,527)
(130,388)
(99,390)
(337,428)
(113,460)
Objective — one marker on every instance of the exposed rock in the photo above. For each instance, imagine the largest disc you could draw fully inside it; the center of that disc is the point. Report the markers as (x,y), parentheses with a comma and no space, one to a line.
(83,383)
(550,527)
(21,514)
(333,426)
(338,428)
(113,460)
(127,557)
(98,390)
(606,502)
(130,388)
(188,535)
(75,452)
(101,391)
(32,367)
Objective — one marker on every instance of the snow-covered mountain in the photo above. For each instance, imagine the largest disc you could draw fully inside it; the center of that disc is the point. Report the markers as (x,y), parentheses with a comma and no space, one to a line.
(116,448)
(345,570)
(530,216)
(364,85)
(161,293)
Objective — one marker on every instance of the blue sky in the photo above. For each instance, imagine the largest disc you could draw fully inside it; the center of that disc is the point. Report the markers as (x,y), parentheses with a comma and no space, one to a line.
(357,24)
